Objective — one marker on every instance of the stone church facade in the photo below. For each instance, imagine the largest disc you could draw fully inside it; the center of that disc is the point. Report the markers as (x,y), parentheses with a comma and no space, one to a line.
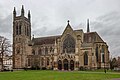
(69,51)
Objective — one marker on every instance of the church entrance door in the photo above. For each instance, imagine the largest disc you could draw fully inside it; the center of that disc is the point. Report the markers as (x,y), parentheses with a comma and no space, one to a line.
(60,65)
(71,65)
(65,62)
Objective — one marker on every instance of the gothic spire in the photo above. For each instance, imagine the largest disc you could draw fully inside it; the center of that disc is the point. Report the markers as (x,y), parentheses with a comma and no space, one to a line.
(14,13)
(88,29)
(29,15)
(22,11)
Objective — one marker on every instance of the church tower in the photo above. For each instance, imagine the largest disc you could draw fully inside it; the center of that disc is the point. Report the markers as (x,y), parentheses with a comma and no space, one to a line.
(21,38)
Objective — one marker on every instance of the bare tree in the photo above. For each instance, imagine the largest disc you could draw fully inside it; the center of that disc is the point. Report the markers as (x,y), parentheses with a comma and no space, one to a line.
(4,49)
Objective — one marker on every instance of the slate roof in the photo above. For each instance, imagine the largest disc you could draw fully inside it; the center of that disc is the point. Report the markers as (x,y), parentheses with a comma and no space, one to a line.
(45,40)
(88,38)
(92,37)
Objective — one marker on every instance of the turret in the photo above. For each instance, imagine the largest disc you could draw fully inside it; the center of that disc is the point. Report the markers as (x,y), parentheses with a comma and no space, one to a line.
(22,11)
(14,13)
(29,16)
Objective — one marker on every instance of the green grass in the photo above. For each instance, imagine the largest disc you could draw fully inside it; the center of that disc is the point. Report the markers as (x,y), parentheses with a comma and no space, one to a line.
(58,75)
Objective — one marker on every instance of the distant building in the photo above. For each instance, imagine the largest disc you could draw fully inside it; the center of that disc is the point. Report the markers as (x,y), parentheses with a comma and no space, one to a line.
(8,62)
(117,68)
(69,51)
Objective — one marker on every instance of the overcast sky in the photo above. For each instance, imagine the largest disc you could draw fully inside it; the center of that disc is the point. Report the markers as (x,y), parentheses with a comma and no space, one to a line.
(49,17)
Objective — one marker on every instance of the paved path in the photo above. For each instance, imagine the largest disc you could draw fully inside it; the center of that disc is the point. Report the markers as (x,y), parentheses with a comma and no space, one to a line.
(116,79)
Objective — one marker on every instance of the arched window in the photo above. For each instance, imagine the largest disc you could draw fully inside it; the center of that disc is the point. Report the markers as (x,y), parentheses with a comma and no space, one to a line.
(33,52)
(51,49)
(102,55)
(19,29)
(102,51)
(27,31)
(46,50)
(69,44)
(39,51)
(103,58)
(96,53)
(86,58)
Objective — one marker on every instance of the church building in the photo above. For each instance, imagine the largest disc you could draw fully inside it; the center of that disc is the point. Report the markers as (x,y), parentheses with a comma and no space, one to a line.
(72,50)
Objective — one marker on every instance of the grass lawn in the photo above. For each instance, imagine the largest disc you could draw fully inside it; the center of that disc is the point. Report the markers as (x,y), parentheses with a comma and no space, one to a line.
(58,75)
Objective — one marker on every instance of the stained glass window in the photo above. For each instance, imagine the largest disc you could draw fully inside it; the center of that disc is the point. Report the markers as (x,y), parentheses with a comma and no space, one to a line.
(69,44)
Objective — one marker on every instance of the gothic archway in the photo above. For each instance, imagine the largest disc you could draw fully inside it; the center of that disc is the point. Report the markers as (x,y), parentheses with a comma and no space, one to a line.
(60,65)
(86,58)
(65,62)
(71,65)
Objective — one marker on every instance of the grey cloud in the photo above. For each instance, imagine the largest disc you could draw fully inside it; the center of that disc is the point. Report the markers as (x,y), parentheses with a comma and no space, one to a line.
(57,31)
(6,25)
(109,29)
(40,31)
(45,32)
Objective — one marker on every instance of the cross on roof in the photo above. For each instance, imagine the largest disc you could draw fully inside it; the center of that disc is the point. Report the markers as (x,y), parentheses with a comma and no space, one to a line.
(68,21)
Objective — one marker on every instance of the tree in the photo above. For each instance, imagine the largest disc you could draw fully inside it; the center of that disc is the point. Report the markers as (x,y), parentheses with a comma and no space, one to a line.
(4,49)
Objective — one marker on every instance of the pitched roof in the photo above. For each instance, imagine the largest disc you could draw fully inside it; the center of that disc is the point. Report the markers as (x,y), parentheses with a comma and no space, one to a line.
(88,38)
(45,40)
(92,37)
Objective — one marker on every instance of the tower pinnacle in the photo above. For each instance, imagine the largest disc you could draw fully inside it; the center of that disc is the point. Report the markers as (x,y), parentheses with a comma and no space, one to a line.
(22,11)
(29,16)
(88,29)
(14,12)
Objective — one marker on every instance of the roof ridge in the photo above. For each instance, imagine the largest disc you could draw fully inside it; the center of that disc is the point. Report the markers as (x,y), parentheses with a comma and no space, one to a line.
(90,32)
(48,36)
